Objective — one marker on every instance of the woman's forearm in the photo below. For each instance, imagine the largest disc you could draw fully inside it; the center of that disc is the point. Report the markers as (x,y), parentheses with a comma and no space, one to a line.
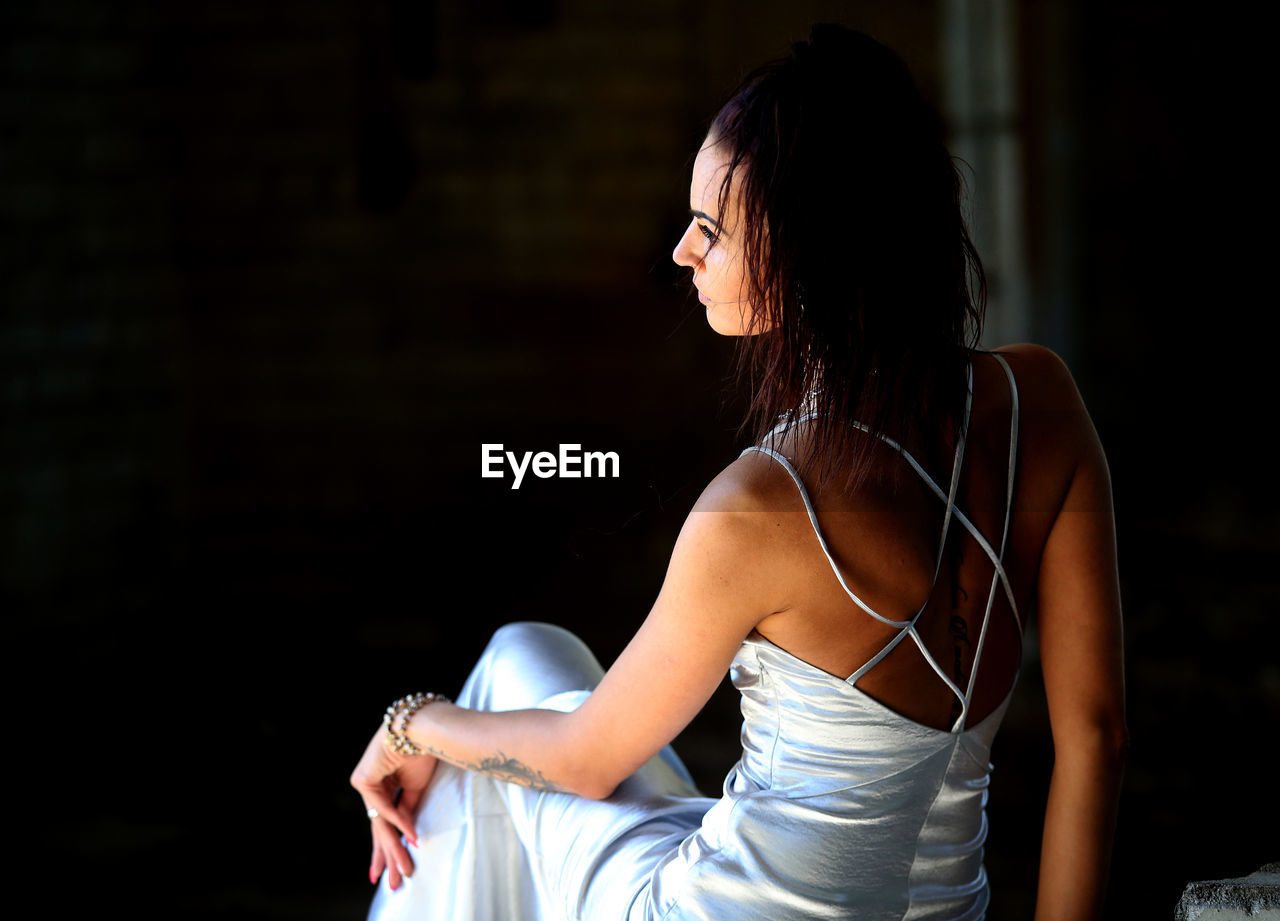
(1080,820)
(533,748)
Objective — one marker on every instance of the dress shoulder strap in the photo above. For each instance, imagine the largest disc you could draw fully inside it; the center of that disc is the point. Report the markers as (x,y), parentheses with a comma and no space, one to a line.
(949,496)
(1000,578)
(822,541)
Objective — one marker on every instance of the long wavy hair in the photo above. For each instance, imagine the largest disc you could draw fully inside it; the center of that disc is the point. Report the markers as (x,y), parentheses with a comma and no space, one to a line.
(859,263)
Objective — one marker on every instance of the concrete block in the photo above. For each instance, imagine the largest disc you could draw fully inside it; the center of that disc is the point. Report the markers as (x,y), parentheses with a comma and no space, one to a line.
(1250,898)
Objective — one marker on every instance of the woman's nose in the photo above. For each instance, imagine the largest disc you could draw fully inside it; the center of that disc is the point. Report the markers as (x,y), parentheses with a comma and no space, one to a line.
(683,253)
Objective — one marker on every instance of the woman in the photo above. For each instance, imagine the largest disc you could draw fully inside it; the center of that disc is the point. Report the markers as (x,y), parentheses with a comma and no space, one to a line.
(865,570)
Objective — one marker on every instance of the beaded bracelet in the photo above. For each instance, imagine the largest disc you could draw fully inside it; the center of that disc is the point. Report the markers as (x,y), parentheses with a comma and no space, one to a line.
(396,721)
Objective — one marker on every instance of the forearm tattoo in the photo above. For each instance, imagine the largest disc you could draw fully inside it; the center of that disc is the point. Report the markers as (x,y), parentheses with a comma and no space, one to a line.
(502,767)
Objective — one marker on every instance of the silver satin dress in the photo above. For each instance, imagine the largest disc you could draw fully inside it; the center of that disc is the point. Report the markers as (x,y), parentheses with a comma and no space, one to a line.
(839,808)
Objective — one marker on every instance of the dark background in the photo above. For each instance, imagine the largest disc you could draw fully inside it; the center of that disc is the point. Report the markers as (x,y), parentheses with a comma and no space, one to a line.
(272,273)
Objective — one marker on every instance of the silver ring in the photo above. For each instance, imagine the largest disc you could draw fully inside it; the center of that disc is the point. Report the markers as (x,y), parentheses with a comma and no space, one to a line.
(371,812)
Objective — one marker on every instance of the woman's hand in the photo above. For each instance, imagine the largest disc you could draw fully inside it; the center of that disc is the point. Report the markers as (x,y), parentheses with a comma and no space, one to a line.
(392,784)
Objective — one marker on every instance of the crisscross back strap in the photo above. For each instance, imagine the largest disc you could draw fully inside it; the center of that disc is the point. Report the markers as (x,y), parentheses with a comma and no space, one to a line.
(999,576)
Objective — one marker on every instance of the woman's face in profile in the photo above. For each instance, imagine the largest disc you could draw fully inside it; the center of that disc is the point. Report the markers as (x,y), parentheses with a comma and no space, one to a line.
(718,270)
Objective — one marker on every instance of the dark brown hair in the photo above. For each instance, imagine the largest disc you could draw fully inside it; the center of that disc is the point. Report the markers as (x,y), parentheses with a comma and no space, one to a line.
(857,252)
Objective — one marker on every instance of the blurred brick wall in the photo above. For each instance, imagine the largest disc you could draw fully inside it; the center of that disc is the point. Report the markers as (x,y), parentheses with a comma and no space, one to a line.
(272,274)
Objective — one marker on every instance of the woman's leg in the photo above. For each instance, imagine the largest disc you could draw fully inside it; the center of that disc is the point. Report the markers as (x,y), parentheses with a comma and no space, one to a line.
(588,858)
(489,849)
(470,863)
(525,663)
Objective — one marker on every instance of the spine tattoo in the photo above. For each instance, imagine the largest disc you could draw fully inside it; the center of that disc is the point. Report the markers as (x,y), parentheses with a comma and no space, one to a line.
(960,637)
(959,630)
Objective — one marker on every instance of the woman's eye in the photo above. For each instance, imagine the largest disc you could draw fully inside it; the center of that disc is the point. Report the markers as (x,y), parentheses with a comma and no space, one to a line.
(707,232)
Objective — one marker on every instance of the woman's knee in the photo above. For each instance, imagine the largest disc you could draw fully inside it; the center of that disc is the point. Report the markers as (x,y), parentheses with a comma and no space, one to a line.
(528,661)
(524,637)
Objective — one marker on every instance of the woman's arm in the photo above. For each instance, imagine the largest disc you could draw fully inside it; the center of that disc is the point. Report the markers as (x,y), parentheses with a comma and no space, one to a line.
(719,584)
(723,578)
(1081,641)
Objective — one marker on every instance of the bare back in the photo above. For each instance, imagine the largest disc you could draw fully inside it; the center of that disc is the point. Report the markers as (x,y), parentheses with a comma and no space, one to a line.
(907,625)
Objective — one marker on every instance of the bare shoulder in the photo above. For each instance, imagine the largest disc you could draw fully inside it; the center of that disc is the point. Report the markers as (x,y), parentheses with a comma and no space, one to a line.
(1050,402)
(754,483)
(1042,375)
(1063,464)
(739,539)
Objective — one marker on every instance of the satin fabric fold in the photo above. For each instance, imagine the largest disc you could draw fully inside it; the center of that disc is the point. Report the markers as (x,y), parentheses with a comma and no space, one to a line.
(839,808)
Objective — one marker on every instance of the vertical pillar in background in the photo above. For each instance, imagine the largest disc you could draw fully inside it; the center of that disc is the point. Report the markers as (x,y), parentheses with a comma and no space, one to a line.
(980,106)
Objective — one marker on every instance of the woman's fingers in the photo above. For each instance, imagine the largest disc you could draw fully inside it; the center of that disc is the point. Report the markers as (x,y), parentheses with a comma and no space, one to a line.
(393,875)
(381,863)
(389,812)
(396,851)
(392,788)
(386,827)
(392,853)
